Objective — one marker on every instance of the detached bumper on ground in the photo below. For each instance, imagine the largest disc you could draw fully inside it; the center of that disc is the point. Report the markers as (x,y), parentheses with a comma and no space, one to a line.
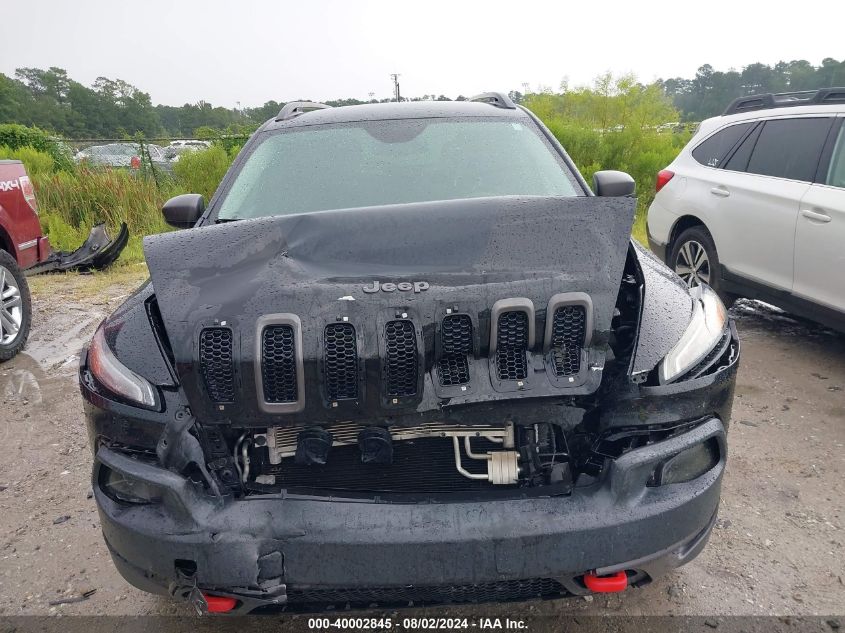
(99,251)
(278,550)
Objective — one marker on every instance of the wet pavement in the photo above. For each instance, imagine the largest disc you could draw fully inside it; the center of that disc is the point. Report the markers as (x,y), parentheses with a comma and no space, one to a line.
(777,547)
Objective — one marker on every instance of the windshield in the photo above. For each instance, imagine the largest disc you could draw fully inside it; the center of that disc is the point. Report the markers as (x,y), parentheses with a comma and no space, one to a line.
(373,163)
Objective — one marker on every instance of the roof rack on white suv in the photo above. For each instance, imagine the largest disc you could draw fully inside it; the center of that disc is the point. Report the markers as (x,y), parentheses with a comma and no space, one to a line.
(785,100)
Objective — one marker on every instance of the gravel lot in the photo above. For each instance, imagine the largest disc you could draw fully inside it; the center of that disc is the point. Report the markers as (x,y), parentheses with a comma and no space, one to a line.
(778,547)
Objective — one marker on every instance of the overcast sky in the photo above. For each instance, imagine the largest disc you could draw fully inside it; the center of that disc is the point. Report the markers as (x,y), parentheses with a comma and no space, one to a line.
(226,51)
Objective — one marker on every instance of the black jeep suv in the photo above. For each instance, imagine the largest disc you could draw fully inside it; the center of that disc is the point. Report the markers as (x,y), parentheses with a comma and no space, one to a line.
(406,355)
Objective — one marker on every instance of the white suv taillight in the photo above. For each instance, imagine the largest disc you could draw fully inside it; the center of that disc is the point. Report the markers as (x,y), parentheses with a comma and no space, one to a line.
(28,192)
(663,177)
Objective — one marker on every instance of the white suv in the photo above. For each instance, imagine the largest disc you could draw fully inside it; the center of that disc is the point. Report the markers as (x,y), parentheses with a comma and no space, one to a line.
(754,205)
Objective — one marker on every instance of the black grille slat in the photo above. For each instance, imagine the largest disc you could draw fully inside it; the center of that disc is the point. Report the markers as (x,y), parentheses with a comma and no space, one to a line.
(453,370)
(340,362)
(217,364)
(401,367)
(456,342)
(488,592)
(278,364)
(512,345)
(568,332)
(456,334)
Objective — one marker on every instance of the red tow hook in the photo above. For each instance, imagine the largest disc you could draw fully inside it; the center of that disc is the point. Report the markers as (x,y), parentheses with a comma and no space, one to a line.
(606,584)
(219,604)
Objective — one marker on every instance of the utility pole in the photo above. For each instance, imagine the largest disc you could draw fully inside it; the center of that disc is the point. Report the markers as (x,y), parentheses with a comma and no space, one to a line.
(396,94)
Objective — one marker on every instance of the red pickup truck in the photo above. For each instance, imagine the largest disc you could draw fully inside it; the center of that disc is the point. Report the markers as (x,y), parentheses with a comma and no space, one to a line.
(21,246)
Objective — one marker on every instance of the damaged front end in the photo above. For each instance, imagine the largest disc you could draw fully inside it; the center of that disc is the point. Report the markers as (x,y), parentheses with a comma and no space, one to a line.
(478,407)
(97,252)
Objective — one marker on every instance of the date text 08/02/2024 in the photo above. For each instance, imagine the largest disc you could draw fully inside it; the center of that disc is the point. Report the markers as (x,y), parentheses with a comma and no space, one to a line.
(414,624)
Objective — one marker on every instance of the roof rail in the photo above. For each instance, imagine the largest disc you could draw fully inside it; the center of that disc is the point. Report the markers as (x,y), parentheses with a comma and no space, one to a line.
(295,108)
(785,100)
(498,99)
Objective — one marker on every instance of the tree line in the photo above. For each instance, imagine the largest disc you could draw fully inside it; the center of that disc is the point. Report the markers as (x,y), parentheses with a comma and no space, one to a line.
(710,91)
(114,108)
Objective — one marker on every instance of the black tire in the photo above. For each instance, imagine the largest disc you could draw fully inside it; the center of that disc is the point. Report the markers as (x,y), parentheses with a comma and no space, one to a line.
(688,245)
(9,268)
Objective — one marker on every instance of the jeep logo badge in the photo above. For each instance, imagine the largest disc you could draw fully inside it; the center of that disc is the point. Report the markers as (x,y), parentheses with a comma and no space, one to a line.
(405,286)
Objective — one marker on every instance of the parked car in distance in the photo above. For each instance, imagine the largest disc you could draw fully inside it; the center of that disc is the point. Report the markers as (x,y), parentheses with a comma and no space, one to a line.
(122,155)
(179,147)
(754,205)
(190,143)
(406,355)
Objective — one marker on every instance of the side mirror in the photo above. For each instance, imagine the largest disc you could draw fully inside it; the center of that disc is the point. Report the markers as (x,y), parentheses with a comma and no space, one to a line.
(184,211)
(613,184)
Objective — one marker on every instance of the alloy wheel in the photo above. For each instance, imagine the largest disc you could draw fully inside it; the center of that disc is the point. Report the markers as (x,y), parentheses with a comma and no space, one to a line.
(692,264)
(11,307)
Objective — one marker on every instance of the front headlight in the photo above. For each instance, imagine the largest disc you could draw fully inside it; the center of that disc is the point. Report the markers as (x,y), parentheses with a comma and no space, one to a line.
(706,329)
(116,377)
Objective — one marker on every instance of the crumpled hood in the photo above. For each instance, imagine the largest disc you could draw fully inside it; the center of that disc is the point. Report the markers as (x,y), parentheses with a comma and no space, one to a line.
(427,258)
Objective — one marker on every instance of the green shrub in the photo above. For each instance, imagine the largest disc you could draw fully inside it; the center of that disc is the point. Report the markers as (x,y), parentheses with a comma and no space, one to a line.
(16,136)
(201,171)
(641,153)
(614,126)
(37,163)
(93,195)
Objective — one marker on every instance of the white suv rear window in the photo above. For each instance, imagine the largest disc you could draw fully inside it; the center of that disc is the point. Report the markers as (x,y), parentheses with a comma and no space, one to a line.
(713,150)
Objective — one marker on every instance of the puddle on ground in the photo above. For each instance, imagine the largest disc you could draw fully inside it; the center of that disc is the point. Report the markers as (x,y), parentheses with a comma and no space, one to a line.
(17,384)
(55,345)
(47,366)
(23,382)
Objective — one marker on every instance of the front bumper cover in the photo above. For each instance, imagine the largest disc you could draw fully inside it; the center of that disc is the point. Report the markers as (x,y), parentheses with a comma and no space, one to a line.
(97,252)
(258,549)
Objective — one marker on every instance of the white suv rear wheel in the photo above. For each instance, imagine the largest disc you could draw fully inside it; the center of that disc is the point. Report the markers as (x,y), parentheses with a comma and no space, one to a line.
(692,263)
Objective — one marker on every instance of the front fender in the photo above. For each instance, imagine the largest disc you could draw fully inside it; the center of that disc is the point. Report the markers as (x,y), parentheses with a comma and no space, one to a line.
(129,333)
(665,312)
